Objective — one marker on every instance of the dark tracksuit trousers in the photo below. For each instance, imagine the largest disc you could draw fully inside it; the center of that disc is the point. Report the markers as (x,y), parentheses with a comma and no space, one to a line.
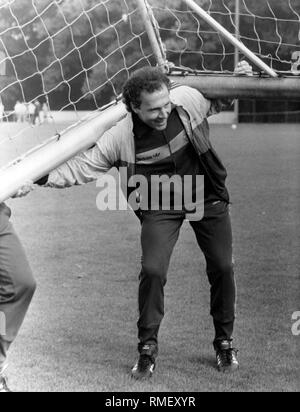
(159,235)
(17,285)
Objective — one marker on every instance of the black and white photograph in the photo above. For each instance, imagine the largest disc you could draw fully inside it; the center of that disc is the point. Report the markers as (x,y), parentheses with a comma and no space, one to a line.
(149,198)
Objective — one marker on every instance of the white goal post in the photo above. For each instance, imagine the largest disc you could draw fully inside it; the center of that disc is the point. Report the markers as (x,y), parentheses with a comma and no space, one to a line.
(71,56)
(56,151)
(255,87)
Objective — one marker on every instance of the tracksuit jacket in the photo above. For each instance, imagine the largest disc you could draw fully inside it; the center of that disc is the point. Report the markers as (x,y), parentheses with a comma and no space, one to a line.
(116,148)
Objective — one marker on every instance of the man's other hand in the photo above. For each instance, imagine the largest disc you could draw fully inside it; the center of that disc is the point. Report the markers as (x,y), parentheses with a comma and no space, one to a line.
(243,68)
(24,190)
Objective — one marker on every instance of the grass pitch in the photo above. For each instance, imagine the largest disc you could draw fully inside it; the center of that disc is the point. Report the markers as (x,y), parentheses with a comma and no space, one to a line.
(80,333)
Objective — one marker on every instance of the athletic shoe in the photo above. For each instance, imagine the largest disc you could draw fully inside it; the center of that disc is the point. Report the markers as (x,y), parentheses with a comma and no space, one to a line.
(226,355)
(3,384)
(145,365)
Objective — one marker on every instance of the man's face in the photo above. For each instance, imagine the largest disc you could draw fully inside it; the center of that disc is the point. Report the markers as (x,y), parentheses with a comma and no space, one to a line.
(155,108)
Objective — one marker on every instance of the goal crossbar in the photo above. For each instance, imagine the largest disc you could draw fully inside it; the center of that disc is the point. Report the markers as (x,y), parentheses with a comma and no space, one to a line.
(236,87)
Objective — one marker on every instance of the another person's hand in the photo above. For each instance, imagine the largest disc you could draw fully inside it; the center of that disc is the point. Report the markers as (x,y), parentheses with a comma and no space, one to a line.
(243,68)
(24,190)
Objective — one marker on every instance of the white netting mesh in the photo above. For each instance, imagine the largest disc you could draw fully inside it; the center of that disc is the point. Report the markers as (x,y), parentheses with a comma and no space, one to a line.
(75,55)
(57,45)
(68,55)
(269,28)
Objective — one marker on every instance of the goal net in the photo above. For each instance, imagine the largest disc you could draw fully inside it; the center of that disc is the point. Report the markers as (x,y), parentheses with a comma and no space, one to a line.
(268,28)
(63,62)
(60,61)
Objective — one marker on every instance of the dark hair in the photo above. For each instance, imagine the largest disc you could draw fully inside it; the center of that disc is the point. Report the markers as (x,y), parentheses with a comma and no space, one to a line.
(149,79)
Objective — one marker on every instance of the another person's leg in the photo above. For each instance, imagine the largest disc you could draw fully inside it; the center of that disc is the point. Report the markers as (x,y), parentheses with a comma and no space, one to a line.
(159,234)
(17,287)
(214,236)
